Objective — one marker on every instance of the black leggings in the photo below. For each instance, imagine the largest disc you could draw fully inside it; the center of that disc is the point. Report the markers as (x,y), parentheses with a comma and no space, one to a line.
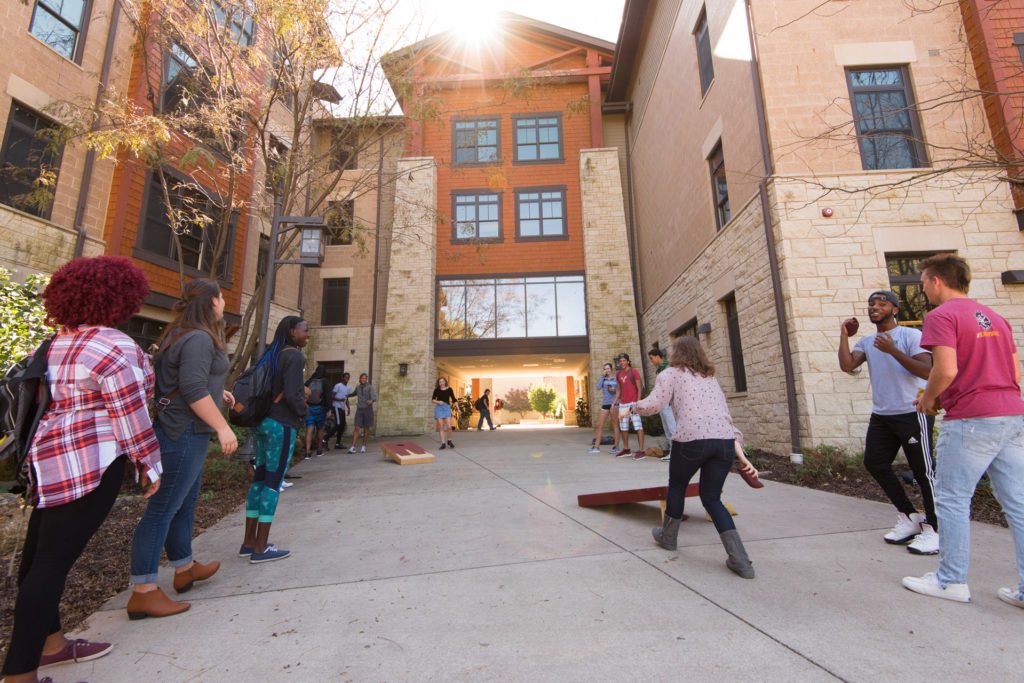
(886,435)
(713,457)
(56,537)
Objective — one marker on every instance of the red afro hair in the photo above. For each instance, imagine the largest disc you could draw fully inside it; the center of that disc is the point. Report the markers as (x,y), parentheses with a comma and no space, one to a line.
(105,290)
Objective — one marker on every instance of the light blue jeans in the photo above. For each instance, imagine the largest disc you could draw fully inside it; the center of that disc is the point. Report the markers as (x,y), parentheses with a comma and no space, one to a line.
(668,422)
(966,450)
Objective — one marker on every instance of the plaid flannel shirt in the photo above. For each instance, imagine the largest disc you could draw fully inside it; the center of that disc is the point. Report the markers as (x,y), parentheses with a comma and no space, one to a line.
(100,381)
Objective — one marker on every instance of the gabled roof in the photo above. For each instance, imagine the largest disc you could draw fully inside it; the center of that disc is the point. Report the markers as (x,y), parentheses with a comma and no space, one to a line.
(507,20)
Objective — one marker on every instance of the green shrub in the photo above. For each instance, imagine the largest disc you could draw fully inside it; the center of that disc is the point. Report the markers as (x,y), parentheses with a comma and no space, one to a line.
(583,413)
(543,399)
(822,463)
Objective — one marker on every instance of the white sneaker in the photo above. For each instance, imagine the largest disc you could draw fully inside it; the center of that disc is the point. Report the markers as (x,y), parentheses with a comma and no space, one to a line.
(929,585)
(352,450)
(362,449)
(906,528)
(667,457)
(1012,596)
(926,542)
(286,485)
(595,449)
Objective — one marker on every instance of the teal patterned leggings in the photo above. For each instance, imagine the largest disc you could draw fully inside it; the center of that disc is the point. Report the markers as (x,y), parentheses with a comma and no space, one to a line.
(274,445)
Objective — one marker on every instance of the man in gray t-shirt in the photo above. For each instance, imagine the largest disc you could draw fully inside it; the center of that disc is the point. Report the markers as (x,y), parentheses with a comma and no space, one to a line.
(898,368)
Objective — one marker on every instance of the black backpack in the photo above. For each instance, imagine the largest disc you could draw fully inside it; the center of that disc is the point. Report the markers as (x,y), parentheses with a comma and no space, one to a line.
(479,405)
(253,392)
(24,398)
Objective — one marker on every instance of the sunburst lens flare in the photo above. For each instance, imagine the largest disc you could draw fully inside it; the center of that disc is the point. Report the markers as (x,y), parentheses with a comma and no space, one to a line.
(476,22)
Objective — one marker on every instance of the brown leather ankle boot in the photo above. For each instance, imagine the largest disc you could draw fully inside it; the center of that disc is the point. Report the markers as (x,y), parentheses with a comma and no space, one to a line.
(197,572)
(154,603)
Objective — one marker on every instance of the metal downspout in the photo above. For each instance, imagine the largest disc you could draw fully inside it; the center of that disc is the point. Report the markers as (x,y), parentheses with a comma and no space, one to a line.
(376,250)
(633,258)
(769,236)
(90,154)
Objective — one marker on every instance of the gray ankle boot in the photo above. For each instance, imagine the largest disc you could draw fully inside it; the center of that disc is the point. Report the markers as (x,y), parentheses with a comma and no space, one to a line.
(738,561)
(666,534)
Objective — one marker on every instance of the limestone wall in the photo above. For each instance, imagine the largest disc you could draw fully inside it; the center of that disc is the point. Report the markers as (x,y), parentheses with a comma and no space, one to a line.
(611,311)
(33,245)
(736,261)
(408,335)
(831,265)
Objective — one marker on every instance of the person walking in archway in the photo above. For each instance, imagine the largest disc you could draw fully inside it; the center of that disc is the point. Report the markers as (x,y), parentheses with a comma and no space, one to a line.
(483,404)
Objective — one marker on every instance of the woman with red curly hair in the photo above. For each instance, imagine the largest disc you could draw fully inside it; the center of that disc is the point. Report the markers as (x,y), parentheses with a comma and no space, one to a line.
(100,381)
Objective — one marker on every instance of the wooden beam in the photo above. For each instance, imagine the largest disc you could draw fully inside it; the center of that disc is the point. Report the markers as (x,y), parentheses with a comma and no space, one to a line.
(551,73)
(555,58)
(594,92)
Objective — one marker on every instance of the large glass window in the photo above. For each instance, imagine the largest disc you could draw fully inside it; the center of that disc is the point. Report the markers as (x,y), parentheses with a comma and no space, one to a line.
(26,156)
(59,24)
(477,216)
(538,138)
(184,81)
(198,220)
(540,213)
(511,308)
(905,280)
(335,303)
(702,38)
(719,186)
(475,141)
(884,113)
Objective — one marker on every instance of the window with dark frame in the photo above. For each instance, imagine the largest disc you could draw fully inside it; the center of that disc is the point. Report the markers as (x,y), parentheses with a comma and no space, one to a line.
(719,186)
(538,138)
(687,329)
(59,24)
(885,117)
(144,331)
(234,17)
(261,259)
(26,155)
(476,216)
(905,280)
(540,213)
(702,39)
(344,152)
(184,80)
(475,141)
(199,220)
(732,319)
(512,307)
(282,79)
(1018,41)
(335,303)
(341,220)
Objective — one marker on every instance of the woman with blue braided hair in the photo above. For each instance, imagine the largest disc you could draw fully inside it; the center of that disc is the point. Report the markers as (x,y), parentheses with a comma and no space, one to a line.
(275,438)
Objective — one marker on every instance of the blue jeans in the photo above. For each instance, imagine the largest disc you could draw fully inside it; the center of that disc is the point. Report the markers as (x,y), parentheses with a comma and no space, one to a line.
(170,514)
(966,450)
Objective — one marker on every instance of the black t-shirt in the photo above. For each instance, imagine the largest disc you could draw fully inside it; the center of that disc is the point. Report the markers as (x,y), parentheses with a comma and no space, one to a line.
(445,395)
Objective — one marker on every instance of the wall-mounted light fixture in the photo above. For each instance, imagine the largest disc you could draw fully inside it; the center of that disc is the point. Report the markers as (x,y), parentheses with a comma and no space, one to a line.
(403,369)
(704,328)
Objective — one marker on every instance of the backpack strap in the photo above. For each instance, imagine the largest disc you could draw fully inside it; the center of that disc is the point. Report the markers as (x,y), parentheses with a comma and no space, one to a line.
(166,399)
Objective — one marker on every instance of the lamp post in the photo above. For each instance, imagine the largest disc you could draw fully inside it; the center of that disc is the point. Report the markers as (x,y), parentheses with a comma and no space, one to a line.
(311,253)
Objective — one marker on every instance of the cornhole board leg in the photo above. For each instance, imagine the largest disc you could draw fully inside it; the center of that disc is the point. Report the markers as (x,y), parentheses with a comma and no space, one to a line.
(406,453)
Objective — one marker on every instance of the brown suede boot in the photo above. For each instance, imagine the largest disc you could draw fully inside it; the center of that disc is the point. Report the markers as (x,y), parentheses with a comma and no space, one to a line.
(197,572)
(154,603)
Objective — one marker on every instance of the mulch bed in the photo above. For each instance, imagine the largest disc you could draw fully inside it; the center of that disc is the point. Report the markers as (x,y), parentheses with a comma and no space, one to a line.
(831,470)
(102,571)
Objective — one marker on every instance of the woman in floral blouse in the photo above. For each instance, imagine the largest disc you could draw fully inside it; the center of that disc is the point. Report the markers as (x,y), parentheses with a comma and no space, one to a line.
(100,381)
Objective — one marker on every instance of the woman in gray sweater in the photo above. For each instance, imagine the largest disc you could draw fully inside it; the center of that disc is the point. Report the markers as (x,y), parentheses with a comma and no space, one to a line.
(191,365)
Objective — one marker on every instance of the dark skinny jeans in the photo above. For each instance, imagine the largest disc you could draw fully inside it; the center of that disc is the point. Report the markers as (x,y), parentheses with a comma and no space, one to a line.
(713,458)
(485,414)
(56,537)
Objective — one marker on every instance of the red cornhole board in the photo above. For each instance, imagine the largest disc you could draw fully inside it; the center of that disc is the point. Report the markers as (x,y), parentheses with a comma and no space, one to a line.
(589,500)
(406,453)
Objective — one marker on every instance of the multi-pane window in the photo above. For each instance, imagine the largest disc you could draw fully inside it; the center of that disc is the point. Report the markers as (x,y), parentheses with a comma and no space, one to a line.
(475,141)
(732,319)
(335,305)
(905,280)
(540,213)
(687,329)
(144,331)
(511,308)
(344,152)
(59,24)
(28,155)
(477,216)
(702,38)
(232,16)
(198,222)
(184,80)
(341,218)
(538,138)
(885,116)
(719,186)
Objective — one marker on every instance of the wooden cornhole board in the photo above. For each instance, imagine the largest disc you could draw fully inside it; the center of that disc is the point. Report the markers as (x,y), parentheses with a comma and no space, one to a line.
(406,453)
(589,500)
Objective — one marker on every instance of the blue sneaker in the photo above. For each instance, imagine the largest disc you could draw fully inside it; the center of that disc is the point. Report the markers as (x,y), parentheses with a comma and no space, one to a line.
(244,551)
(271,554)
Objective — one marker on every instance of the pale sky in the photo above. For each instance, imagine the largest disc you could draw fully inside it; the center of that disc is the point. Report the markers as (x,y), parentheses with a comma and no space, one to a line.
(598,18)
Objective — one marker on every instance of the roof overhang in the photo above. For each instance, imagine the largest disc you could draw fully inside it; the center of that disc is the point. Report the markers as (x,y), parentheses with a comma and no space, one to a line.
(634,16)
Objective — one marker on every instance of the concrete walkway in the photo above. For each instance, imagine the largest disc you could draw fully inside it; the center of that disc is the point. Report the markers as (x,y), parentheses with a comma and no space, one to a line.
(482,567)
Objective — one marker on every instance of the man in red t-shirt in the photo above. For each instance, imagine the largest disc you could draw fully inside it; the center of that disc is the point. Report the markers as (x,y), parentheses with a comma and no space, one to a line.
(628,389)
(975,378)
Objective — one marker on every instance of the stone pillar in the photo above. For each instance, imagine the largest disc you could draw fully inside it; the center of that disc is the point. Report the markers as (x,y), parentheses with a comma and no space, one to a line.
(408,335)
(611,311)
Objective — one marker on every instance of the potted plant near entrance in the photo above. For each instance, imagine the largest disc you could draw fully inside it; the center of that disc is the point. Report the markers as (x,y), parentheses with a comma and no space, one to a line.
(463,411)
